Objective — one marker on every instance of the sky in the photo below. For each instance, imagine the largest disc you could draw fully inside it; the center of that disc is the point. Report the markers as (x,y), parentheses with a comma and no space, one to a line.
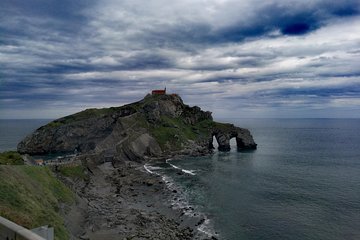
(235,58)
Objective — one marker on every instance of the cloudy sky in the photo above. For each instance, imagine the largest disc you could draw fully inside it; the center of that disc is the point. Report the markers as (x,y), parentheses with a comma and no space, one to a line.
(236,58)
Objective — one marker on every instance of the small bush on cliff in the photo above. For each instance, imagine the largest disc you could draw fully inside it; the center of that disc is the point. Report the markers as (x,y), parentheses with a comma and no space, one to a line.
(74,172)
(11,158)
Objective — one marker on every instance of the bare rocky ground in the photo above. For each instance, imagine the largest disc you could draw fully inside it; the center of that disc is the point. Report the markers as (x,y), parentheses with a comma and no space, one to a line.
(127,203)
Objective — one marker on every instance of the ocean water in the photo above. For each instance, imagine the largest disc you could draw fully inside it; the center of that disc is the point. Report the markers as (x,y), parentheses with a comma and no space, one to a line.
(13,131)
(303,181)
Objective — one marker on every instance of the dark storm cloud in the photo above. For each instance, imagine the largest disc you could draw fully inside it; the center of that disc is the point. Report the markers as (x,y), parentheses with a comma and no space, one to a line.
(145,60)
(321,91)
(68,55)
(289,18)
(64,10)
(296,29)
(343,8)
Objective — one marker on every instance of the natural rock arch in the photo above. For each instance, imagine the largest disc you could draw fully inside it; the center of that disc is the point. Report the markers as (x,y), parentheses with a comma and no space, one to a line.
(244,140)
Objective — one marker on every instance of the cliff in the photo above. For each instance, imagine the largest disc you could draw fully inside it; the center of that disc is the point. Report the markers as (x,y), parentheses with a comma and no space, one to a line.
(153,127)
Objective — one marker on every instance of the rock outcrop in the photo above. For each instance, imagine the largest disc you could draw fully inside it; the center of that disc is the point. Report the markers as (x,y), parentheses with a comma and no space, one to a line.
(153,127)
(226,132)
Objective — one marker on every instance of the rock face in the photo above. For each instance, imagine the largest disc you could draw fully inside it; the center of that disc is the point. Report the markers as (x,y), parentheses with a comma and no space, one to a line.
(243,137)
(153,127)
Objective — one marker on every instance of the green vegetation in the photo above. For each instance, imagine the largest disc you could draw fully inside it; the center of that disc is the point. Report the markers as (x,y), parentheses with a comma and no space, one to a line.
(205,125)
(30,196)
(54,124)
(88,113)
(167,138)
(11,158)
(99,112)
(173,132)
(222,126)
(170,133)
(92,112)
(74,172)
(135,120)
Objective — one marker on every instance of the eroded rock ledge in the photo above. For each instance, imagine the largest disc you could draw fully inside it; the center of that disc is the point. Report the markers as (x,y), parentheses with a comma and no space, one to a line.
(153,127)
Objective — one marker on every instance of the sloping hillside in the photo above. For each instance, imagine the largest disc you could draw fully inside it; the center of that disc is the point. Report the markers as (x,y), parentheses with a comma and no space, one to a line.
(31,196)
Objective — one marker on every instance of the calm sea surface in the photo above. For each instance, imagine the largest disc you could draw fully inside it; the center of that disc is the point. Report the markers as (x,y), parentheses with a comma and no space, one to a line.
(303,181)
(13,131)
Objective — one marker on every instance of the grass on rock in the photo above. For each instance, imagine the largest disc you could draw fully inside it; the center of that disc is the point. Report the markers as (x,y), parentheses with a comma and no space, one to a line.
(74,172)
(11,158)
(30,196)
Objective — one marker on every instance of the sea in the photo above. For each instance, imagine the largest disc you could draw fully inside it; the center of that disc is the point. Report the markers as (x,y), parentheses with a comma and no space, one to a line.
(303,181)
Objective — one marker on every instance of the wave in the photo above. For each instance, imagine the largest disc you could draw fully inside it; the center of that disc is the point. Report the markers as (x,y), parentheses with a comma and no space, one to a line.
(191,172)
(180,202)
(207,228)
(150,169)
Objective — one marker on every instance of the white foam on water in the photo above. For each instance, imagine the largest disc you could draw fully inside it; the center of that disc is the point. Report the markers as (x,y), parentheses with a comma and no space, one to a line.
(153,167)
(150,169)
(180,202)
(176,167)
(191,172)
(207,228)
(169,182)
(147,169)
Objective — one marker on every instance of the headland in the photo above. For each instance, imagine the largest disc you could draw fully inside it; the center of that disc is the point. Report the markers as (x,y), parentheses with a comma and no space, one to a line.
(118,198)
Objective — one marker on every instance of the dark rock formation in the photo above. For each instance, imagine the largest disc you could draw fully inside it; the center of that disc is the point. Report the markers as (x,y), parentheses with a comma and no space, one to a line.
(153,127)
(224,132)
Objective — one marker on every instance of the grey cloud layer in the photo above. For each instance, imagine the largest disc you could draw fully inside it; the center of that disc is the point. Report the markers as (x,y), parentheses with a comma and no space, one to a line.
(223,55)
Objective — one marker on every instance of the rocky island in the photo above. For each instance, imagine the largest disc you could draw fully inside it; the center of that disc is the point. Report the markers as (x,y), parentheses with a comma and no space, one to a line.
(156,126)
(118,199)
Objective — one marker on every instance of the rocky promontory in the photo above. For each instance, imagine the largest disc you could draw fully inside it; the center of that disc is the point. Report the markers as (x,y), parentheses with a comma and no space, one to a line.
(156,126)
(117,198)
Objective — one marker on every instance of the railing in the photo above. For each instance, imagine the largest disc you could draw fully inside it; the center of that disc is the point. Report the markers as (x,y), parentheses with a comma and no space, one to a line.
(12,231)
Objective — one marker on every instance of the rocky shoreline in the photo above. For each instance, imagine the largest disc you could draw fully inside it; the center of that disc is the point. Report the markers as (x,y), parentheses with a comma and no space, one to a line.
(127,202)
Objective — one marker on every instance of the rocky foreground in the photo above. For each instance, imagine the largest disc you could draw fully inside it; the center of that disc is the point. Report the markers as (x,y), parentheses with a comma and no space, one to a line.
(128,203)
